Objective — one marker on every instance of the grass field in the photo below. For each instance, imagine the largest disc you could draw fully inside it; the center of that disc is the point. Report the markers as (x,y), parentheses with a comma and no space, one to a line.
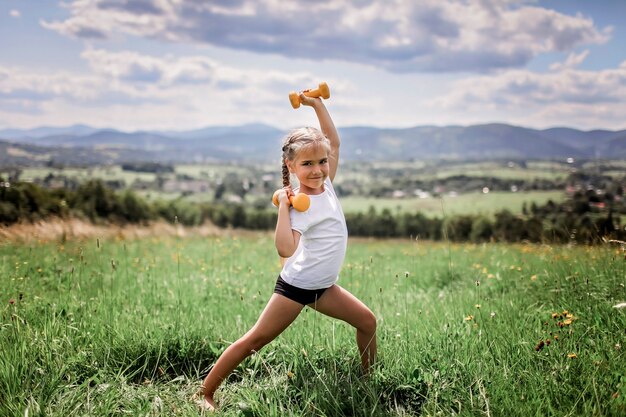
(495,169)
(470,203)
(119,327)
(106,173)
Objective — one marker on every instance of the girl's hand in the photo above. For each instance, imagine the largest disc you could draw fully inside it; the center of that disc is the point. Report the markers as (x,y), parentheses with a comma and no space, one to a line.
(284,194)
(309,101)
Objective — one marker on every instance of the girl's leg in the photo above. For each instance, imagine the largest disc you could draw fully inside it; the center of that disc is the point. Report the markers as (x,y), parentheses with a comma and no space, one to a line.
(337,302)
(279,313)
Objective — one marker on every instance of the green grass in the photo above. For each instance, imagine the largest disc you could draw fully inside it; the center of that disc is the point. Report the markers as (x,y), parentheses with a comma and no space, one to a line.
(534,170)
(218,170)
(130,328)
(106,173)
(470,203)
(209,172)
(495,169)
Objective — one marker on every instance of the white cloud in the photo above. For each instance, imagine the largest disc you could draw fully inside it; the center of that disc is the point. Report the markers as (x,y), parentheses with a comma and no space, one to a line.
(129,90)
(144,69)
(140,75)
(398,35)
(145,91)
(169,72)
(565,96)
(573,60)
(16,83)
(15,13)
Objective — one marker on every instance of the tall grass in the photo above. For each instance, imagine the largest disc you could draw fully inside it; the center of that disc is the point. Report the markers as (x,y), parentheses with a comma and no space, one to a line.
(130,327)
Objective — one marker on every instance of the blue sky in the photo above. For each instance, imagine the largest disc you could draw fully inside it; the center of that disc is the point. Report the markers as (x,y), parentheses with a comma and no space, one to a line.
(185,64)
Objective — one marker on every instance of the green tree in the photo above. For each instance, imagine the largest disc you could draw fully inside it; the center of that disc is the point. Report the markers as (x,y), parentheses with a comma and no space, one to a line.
(508,227)
(458,228)
(482,229)
(238,216)
(135,209)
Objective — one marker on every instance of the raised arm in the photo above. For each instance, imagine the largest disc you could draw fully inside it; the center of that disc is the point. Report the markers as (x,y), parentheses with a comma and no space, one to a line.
(328,129)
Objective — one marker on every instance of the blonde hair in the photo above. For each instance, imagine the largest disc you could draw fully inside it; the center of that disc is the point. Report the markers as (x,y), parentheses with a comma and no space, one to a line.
(298,139)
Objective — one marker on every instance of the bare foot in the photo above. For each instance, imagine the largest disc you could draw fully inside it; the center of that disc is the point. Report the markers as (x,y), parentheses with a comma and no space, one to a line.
(206,404)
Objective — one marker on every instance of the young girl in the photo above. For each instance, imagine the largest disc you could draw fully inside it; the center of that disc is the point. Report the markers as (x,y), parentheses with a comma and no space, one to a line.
(312,245)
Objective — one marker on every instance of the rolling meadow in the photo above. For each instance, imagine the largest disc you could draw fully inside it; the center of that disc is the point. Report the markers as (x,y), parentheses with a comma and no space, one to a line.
(482,181)
(118,326)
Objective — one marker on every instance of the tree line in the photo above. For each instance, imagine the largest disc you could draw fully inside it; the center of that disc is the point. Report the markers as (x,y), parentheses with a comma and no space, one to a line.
(585,218)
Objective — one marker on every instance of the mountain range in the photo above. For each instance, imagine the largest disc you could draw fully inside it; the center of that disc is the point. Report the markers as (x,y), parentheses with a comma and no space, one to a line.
(84,145)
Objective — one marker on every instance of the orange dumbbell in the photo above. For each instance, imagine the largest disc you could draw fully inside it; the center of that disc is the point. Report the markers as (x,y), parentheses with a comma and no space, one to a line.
(300,202)
(321,91)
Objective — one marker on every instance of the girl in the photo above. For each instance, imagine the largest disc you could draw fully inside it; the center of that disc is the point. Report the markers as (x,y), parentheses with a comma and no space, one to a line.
(312,246)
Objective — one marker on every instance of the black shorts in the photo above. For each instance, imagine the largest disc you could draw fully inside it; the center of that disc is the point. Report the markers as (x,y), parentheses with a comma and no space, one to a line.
(299,295)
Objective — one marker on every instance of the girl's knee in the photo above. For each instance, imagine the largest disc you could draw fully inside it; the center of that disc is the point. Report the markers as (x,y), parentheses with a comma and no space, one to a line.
(368,322)
(253,343)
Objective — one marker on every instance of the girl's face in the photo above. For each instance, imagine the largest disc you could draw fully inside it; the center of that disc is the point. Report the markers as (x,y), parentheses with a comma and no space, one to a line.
(311,168)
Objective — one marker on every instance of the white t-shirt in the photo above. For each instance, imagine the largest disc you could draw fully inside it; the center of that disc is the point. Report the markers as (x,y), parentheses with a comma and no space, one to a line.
(322,248)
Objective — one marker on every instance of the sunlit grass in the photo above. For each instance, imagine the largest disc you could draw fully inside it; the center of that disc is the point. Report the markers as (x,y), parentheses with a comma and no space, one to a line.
(130,327)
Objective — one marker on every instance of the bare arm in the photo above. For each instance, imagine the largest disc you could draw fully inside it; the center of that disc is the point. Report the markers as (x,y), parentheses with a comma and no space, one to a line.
(328,129)
(285,239)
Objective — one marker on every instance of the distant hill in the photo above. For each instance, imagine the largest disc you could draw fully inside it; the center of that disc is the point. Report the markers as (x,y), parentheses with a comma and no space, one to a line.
(43,131)
(85,145)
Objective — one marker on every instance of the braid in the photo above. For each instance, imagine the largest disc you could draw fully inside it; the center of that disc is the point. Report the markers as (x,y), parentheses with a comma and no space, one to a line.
(285,173)
(287,155)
